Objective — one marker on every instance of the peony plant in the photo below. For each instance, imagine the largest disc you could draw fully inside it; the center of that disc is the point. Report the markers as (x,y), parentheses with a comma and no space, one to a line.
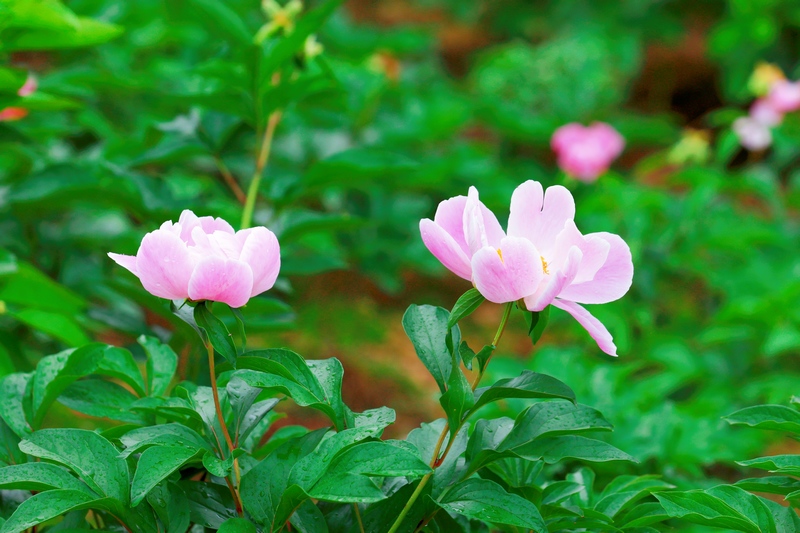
(187,455)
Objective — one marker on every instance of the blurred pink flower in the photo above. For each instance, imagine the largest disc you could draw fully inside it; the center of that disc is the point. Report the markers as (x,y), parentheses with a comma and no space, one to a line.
(764,112)
(204,259)
(16,113)
(784,96)
(753,134)
(543,259)
(586,152)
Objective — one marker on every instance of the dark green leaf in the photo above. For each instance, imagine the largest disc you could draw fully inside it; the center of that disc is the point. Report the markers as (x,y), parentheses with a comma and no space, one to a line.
(526,385)
(427,328)
(481,499)
(457,400)
(46,506)
(119,364)
(155,465)
(39,477)
(223,19)
(237,525)
(12,394)
(103,399)
(161,365)
(466,304)
(216,332)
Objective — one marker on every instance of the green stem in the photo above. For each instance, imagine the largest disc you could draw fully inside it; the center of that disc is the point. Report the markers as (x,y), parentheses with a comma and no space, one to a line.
(261,163)
(436,460)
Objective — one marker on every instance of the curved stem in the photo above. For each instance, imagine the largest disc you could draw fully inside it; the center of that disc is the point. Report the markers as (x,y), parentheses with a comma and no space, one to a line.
(215,392)
(436,461)
(230,181)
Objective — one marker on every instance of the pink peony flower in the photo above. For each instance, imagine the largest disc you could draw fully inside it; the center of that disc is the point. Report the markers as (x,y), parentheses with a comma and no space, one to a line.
(586,152)
(205,259)
(17,113)
(764,112)
(753,134)
(784,96)
(543,259)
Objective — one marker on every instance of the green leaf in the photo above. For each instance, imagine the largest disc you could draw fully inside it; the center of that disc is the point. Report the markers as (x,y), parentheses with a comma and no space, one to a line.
(57,325)
(548,419)
(347,478)
(209,505)
(216,466)
(161,365)
(177,435)
(483,356)
(777,464)
(237,525)
(120,364)
(46,506)
(55,373)
(171,506)
(770,484)
(94,459)
(554,449)
(775,417)
(357,166)
(308,518)
(264,487)
(216,332)
(217,15)
(13,389)
(466,304)
(102,399)
(39,477)
(537,322)
(730,508)
(82,32)
(155,465)
(526,385)
(286,372)
(643,515)
(481,499)
(624,491)
(427,328)
(457,400)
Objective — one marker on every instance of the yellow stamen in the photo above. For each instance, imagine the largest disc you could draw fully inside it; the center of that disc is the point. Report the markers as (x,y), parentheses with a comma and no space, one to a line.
(544,265)
(500,253)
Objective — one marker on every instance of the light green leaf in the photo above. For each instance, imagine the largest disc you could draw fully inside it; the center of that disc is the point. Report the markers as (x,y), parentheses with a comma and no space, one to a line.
(466,304)
(161,365)
(775,417)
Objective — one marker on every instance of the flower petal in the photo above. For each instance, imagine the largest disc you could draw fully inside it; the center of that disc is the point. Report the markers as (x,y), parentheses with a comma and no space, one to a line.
(593,248)
(595,328)
(221,280)
(526,209)
(263,253)
(164,265)
(445,248)
(125,261)
(450,217)
(481,227)
(546,293)
(509,273)
(611,281)
(540,218)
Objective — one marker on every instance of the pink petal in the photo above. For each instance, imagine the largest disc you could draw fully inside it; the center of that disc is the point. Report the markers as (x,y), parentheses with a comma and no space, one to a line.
(481,227)
(595,328)
(556,282)
(29,87)
(611,281)
(610,139)
(445,248)
(784,96)
(526,209)
(263,253)
(763,112)
(164,265)
(509,273)
(125,261)
(450,217)
(221,280)
(567,135)
(188,221)
(540,218)
(594,250)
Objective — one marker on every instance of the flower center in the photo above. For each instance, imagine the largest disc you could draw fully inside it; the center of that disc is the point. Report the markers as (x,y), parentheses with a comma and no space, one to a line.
(544,264)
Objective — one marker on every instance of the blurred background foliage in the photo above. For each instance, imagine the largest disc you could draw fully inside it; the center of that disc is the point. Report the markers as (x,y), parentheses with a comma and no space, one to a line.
(146,108)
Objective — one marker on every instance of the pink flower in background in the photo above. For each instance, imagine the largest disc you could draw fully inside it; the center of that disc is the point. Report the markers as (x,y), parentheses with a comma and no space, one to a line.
(586,152)
(764,112)
(753,134)
(784,96)
(543,259)
(205,259)
(17,113)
